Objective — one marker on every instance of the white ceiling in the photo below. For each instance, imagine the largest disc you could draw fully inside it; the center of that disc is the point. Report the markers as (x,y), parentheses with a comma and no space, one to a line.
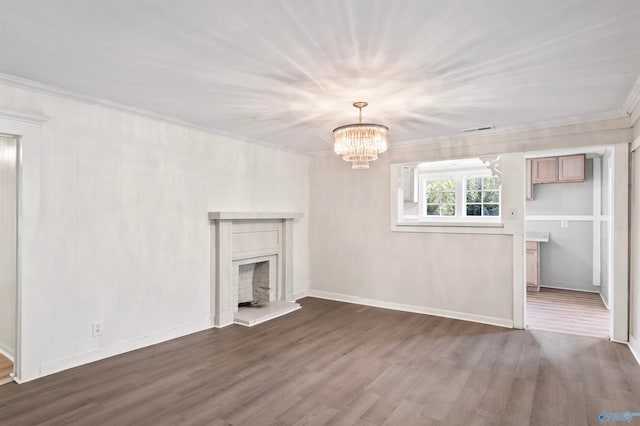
(287,72)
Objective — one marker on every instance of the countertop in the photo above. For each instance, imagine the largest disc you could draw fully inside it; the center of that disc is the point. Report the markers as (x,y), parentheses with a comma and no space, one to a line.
(540,237)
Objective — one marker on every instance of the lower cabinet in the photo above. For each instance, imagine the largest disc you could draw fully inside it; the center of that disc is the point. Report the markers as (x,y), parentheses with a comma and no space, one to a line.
(533,265)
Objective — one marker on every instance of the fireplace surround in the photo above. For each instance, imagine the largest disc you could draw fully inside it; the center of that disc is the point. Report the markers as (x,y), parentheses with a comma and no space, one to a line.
(239,239)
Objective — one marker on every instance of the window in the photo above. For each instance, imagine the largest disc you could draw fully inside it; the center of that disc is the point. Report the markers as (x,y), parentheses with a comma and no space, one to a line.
(440,197)
(482,196)
(449,192)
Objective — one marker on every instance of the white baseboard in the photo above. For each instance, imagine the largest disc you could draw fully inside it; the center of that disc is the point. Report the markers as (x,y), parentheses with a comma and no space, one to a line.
(567,288)
(300,294)
(6,352)
(501,322)
(118,348)
(606,305)
(634,346)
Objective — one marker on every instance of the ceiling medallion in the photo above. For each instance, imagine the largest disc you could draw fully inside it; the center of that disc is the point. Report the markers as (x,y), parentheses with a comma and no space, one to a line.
(360,143)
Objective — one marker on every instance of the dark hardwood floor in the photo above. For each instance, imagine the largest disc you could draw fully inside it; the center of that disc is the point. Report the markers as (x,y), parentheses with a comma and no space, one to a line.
(342,364)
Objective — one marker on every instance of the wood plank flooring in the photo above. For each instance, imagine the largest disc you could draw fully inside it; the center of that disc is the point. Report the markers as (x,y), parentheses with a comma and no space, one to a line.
(566,311)
(6,369)
(333,363)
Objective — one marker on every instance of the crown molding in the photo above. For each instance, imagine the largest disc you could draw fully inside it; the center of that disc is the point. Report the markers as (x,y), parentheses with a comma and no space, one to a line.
(634,115)
(23,83)
(635,144)
(26,117)
(521,128)
(516,130)
(633,100)
(631,104)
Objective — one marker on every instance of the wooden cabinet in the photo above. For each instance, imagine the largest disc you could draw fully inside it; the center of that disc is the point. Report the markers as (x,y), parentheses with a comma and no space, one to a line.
(571,168)
(568,168)
(544,170)
(533,265)
(529,181)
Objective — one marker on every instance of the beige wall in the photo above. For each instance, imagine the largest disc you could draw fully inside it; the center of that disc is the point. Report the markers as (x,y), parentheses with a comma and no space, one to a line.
(121,234)
(466,272)
(354,252)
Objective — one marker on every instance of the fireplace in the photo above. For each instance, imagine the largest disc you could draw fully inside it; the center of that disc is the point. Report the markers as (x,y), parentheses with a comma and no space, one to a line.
(254,281)
(251,266)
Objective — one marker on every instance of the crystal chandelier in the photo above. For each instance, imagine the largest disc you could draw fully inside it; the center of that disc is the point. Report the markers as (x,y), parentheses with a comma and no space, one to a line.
(360,143)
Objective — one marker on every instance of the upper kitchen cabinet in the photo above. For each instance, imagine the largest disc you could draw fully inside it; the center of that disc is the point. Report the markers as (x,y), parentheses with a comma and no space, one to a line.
(568,168)
(529,191)
(544,170)
(571,168)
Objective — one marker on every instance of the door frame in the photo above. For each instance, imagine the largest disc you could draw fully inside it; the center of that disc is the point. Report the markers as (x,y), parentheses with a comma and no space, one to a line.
(618,242)
(15,242)
(634,267)
(26,127)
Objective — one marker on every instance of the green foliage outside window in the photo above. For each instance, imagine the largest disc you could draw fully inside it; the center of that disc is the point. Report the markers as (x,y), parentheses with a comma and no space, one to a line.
(441,197)
(482,196)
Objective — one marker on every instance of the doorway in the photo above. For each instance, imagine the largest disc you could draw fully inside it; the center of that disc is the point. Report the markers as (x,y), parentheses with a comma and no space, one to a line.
(8,254)
(568,228)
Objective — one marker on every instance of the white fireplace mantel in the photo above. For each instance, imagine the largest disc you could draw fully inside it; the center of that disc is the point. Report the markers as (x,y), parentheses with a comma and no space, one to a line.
(253,216)
(236,236)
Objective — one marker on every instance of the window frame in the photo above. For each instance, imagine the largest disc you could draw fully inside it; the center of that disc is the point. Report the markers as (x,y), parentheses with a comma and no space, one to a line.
(482,191)
(423,205)
(460,177)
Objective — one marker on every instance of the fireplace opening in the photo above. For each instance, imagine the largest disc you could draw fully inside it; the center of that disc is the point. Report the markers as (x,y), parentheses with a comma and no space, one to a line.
(254,286)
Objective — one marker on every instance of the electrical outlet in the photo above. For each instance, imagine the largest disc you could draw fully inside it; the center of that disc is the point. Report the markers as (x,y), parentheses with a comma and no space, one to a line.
(98,328)
(564,224)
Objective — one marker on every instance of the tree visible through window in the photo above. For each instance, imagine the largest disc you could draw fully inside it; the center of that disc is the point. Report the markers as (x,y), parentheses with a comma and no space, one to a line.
(441,197)
(482,196)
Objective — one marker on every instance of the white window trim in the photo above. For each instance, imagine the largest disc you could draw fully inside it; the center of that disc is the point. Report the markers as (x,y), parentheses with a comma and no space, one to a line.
(461,204)
(497,218)
(422,205)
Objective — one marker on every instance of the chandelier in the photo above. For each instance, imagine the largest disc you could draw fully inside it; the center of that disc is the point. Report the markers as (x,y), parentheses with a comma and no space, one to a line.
(360,143)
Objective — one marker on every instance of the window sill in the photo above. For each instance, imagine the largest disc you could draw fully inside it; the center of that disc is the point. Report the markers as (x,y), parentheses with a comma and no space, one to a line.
(487,228)
(454,224)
